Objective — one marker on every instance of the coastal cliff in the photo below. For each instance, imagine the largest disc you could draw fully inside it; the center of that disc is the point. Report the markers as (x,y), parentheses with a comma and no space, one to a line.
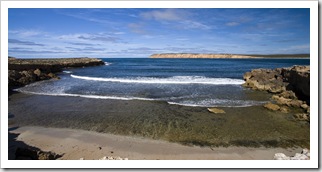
(227,56)
(290,86)
(194,55)
(25,71)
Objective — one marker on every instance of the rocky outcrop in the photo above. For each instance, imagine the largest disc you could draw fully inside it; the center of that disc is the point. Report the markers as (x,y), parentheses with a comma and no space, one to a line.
(295,79)
(304,155)
(290,86)
(195,55)
(25,71)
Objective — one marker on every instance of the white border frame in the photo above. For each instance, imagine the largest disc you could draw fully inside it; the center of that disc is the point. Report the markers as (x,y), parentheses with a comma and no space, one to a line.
(313,163)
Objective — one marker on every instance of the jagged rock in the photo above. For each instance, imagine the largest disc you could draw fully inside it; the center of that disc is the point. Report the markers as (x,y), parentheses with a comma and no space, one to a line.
(37,72)
(281,156)
(301,116)
(292,83)
(216,110)
(298,78)
(304,155)
(305,106)
(272,106)
(284,109)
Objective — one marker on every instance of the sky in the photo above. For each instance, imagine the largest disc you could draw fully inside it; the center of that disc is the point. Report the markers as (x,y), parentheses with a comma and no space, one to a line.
(129,32)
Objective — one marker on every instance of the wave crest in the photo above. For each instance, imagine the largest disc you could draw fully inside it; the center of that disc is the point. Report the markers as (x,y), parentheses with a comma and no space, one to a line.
(170,80)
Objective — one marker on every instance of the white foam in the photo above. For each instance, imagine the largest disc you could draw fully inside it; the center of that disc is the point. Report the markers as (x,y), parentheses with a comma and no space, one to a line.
(66,71)
(84,96)
(220,103)
(107,63)
(203,103)
(170,80)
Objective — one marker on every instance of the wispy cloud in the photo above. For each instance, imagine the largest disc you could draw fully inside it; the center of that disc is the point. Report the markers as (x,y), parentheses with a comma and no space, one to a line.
(101,37)
(81,43)
(164,15)
(138,28)
(15,41)
(189,24)
(177,17)
(27,33)
(232,24)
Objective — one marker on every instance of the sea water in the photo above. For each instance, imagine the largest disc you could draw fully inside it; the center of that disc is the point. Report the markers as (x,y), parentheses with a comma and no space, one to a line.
(187,82)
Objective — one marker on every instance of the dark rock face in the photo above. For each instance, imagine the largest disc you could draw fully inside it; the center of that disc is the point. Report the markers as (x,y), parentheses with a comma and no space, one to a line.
(26,71)
(295,79)
(298,78)
(290,86)
(30,154)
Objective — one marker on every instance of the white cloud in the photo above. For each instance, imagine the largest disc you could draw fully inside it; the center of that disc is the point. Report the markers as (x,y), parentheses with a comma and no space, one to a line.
(232,24)
(27,33)
(189,24)
(164,14)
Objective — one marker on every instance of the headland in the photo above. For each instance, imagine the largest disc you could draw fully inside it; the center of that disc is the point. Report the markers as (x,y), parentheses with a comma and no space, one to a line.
(226,56)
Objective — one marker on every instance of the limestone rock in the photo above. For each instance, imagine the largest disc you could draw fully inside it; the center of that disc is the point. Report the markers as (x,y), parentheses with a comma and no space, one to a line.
(272,106)
(216,110)
(292,84)
(284,109)
(304,155)
(281,156)
(26,71)
(37,72)
(301,116)
(112,158)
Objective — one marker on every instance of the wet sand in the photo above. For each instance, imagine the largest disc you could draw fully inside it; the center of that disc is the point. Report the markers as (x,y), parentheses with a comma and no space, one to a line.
(93,128)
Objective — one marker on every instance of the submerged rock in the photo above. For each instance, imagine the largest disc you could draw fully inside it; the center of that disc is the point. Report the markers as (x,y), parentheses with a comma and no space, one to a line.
(216,110)
(272,106)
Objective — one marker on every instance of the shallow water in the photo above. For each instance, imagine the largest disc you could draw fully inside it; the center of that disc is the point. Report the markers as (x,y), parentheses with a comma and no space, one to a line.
(241,126)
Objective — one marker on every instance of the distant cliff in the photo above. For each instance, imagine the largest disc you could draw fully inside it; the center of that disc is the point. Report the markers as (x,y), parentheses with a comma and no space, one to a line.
(196,55)
(193,55)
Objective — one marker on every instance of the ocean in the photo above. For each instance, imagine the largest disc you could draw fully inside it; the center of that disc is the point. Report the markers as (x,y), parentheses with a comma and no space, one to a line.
(186,82)
(164,99)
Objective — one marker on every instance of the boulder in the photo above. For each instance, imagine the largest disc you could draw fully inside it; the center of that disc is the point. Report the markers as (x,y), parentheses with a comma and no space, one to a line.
(301,116)
(37,72)
(216,110)
(304,155)
(272,106)
(281,156)
(284,109)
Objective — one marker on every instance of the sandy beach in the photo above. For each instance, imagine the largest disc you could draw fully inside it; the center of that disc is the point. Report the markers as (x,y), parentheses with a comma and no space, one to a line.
(77,144)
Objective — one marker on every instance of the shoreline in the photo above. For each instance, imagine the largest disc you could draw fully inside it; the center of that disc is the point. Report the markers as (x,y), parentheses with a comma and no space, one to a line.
(76,144)
(185,127)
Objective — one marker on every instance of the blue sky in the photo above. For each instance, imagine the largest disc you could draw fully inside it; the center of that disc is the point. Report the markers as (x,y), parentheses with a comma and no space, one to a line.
(127,32)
